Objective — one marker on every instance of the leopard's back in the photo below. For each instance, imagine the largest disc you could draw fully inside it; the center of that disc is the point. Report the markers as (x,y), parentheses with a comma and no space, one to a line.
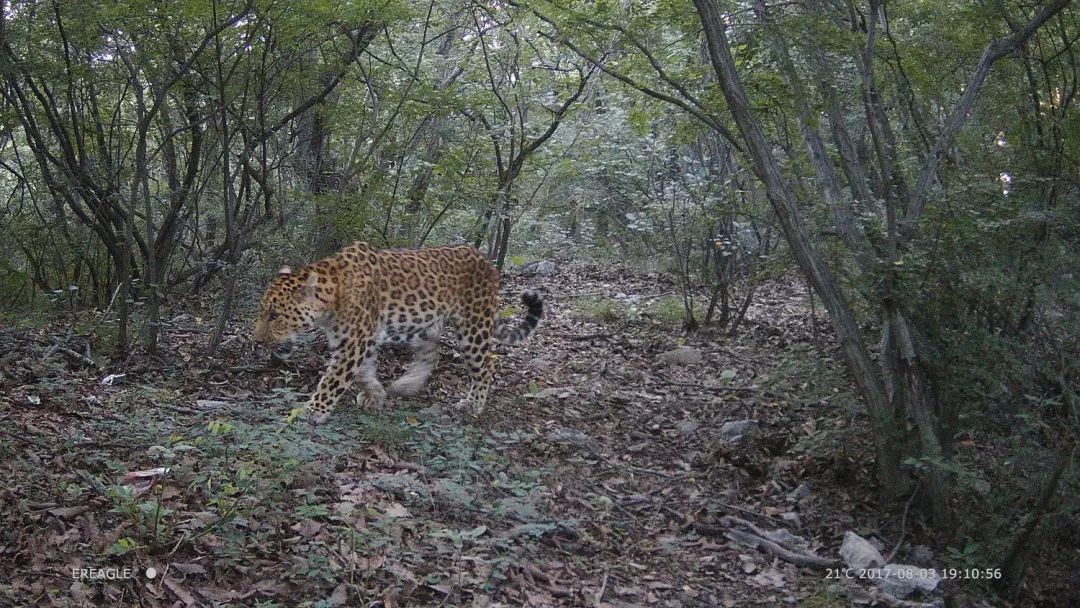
(414,289)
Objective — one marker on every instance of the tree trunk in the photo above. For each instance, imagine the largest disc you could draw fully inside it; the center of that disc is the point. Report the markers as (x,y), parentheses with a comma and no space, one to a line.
(504,241)
(766,168)
(433,151)
(228,207)
(1015,564)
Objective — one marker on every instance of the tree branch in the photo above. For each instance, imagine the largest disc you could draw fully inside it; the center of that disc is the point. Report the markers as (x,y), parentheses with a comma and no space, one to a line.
(995,49)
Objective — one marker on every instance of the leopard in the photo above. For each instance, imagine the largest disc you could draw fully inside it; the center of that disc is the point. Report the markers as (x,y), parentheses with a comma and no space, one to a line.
(363,298)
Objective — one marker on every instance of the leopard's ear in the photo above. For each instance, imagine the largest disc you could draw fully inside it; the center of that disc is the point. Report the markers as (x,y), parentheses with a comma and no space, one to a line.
(285,270)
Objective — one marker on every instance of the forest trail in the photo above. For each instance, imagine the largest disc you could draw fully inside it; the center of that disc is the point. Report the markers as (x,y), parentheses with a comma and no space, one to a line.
(597,476)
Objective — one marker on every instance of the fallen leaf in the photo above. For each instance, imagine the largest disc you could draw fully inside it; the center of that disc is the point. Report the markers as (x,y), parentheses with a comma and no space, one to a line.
(182,593)
(339,597)
(307,527)
(397,510)
(68,512)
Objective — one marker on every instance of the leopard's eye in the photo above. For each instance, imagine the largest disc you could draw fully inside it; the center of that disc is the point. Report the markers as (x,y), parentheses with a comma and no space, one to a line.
(273,315)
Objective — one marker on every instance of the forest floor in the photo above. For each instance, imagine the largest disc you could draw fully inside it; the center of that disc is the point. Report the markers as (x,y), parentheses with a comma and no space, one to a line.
(601,473)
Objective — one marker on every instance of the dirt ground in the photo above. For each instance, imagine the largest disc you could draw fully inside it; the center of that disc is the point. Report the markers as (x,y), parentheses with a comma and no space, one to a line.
(601,473)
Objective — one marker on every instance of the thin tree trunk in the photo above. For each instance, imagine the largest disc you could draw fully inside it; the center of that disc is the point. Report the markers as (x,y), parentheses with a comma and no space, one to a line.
(784,203)
(1014,566)
(229,208)
(504,241)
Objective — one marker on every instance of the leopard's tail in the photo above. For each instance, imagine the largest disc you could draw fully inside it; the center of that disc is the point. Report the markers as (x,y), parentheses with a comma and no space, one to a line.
(514,334)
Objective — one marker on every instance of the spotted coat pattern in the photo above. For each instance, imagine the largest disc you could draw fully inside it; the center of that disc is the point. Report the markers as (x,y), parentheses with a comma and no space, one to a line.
(363,297)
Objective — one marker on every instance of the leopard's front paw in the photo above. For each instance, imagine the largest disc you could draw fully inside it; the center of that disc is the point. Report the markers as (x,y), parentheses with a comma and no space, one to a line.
(371,398)
(466,404)
(318,415)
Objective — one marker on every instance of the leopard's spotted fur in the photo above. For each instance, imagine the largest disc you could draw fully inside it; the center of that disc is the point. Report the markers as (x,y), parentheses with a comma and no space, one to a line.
(363,297)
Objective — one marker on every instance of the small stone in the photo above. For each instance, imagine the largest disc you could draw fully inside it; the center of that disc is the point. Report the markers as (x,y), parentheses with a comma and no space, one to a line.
(902,580)
(858,553)
(567,436)
(684,355)
(540,267)
(922,554)
(732,432)
(800,493)
(540,364)
(550,393)
(687,428)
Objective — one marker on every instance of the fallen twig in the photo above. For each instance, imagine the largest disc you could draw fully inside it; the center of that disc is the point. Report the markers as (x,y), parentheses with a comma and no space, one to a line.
(799,559)
(774,541)
(603,588)
(74,355)
(903,525)
(705,387)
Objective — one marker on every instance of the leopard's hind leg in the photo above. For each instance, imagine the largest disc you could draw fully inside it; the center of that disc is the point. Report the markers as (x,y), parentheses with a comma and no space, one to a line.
(425,347)
(475,342)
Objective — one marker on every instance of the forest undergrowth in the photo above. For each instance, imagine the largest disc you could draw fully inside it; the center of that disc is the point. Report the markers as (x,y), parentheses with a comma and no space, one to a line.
(599,475)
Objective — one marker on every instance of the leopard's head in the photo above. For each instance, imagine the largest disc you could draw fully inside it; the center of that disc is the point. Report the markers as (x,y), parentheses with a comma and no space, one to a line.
(293,303)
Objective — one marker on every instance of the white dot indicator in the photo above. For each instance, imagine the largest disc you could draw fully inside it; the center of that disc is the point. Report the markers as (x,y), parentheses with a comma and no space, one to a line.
(151,572)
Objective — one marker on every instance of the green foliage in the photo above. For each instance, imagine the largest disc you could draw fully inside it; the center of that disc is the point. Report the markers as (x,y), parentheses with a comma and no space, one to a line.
(599,310)
(393,431)
(670,311)
(122,546)
(824,598)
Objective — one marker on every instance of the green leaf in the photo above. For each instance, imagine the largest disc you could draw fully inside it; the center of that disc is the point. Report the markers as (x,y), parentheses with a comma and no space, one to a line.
(122,546)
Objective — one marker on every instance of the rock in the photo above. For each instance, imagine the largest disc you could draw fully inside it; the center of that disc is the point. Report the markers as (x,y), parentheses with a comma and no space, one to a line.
(981,487)
(568,436)
(858,553)
(552,392)
(733,432)
(684,355)
(922,554)
(540,364)
(902,580)
(540,267)
(800,493)
(687,428)
(112,379)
